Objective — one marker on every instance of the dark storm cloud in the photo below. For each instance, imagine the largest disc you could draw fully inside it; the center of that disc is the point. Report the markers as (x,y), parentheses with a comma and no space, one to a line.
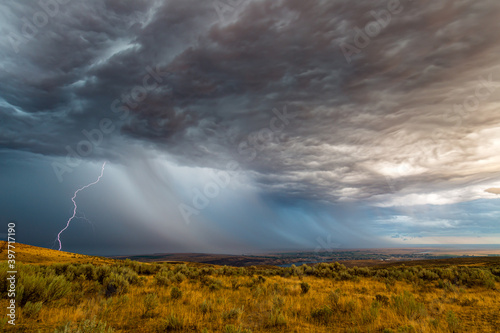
(363,129)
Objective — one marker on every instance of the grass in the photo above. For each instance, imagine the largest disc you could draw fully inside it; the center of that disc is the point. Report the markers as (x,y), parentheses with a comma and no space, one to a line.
(126,296)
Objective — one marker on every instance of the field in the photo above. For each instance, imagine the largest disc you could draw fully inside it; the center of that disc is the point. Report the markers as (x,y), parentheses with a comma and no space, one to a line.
(61,292)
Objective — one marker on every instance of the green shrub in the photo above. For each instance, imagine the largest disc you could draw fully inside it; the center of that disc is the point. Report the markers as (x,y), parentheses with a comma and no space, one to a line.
(235,285)
(276,319)
(453,322)
(349,307)
(175,293)
(322,315)
(370,315)
(129,275)
(88,271)
(234,313)
(171,323)
(102,272)
(115,284)
(446,285)
(31,310)
(384,300)
(162,278)
(278,302)
(406,305)
(3,322)
(179,277)
(490,284)
(150,304)
(434,322)
(69,272)
(304,286)
(3,279)
(57,288)
(206,307)
(213,284)
(30,288)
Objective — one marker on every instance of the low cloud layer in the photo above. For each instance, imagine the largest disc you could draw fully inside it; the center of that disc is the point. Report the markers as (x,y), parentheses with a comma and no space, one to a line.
(493,190)
(376,104)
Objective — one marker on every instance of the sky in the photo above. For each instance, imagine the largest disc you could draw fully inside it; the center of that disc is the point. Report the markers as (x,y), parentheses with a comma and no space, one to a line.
(246,126)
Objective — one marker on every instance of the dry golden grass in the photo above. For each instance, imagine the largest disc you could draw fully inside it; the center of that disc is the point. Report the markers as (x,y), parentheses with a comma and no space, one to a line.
(38,255)
(271,304)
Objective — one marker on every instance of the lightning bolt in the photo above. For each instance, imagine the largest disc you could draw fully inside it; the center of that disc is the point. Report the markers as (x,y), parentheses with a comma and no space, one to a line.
(75,207)
(83,217)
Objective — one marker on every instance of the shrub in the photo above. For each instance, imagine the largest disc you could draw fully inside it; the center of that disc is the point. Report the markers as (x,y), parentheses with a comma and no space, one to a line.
(370,315)
(31,310)
(150,304)
(32,288)
(350,307)
(384,300)
(304,286)
(175,293)
(178,278)
(171,323)
(129,275)
(3,322)
(57,288)
(334,297)
(446,285)
(234,313)
(453,322)
(276,319)
(434,322)
(206,307)
(322,315)
(69,272)
(344,276)
(3,278)
(278,302)
(102,272)
(214,285)
(115,284)
(88,271)
(490,284)
(162,278)
(235,285)
(406,305)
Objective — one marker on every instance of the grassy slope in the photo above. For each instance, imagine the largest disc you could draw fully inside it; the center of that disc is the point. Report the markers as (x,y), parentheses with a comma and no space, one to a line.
(28,254)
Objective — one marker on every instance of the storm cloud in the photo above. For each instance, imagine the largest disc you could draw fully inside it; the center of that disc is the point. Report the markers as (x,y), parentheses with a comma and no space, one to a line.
(326,117)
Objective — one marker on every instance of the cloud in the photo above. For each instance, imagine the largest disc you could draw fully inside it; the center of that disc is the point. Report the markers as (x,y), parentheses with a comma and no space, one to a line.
(493,190)
(411,120)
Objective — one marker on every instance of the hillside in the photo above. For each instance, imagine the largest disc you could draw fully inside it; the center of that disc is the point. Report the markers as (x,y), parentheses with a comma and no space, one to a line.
(28,254)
